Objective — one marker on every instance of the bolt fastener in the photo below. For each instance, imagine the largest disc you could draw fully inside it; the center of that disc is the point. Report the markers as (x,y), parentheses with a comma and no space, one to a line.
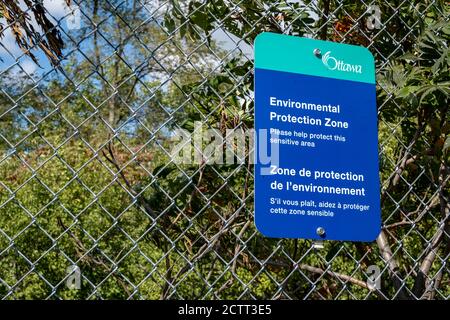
(317,53)
(320,231)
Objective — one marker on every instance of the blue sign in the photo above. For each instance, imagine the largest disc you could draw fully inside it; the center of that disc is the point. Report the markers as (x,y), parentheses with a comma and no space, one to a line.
(316,170)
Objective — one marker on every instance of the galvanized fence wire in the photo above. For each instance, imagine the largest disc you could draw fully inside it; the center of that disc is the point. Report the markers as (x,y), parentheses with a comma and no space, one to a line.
(95,205)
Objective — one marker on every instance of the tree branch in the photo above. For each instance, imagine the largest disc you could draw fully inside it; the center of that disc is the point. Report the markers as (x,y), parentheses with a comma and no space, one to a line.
(392,263)
(421,283)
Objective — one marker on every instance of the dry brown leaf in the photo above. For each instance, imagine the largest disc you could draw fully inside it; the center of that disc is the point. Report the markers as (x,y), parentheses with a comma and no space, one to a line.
(27,38)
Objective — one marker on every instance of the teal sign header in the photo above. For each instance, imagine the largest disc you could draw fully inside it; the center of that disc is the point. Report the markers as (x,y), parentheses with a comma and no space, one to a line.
(294,54)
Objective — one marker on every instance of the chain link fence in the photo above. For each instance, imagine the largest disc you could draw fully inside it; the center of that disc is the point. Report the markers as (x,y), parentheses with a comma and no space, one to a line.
(96,204)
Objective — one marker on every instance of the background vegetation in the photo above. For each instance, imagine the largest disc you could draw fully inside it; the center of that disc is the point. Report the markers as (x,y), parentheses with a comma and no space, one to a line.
(86,175)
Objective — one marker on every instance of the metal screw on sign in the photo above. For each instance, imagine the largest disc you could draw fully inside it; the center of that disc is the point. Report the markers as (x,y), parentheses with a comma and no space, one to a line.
(320,231)
(317,53)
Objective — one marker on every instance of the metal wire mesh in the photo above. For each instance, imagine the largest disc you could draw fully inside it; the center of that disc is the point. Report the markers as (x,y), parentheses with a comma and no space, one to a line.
(90,186)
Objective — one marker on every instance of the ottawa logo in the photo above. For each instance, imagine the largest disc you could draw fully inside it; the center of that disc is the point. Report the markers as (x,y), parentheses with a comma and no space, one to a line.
(334,64)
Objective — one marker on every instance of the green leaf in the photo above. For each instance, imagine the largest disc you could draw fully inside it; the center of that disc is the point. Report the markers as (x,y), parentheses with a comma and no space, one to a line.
(178,13)
(439,64)
(427,90)
(183,30)
(169,23)
(446,144)
(408,57)
(403,92)
(201,20)
(406,91)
